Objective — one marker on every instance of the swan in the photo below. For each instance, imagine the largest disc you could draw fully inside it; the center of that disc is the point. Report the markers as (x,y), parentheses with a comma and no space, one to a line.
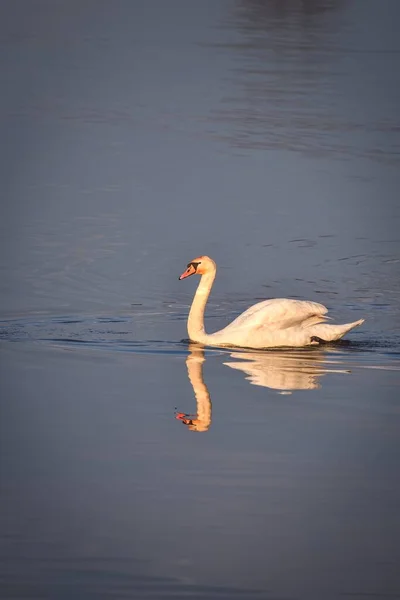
(274,323)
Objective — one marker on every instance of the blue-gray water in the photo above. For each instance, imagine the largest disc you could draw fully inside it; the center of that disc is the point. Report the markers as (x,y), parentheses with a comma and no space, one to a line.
(136,136)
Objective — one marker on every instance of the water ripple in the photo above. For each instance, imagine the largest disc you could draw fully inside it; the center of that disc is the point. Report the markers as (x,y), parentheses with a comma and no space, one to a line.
(127,334)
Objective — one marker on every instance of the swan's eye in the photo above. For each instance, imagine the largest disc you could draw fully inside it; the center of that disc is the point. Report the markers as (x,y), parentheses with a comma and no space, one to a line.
(194,265)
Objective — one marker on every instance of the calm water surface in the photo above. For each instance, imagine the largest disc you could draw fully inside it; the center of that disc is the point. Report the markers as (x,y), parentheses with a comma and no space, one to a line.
(135,137)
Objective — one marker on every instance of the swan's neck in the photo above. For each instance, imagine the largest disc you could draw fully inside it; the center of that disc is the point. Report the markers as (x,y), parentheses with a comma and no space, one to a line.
(196,329)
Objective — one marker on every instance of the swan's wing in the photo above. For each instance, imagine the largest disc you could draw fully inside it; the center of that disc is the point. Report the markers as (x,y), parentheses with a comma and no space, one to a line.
(280,313)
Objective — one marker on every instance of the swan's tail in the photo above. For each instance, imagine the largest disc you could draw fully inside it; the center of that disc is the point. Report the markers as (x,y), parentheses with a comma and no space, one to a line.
(323,332)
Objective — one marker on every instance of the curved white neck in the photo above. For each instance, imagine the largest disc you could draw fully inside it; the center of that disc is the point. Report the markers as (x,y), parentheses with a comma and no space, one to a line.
(196,329)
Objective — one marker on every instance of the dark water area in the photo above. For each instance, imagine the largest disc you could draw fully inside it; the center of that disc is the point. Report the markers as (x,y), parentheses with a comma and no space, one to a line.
(136,136)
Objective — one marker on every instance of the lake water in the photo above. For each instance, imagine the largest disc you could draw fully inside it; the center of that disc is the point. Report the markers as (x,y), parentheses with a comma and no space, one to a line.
(136,136)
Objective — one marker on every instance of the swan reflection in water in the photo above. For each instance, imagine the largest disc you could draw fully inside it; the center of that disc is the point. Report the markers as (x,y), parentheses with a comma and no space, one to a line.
(202,420)
(279,370)
(285,371)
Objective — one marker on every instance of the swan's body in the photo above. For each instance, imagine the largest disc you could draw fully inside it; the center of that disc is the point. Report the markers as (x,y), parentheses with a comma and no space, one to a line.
(268,324)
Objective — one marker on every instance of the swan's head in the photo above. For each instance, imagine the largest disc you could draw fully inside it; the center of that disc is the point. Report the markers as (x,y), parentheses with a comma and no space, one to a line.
(199,265)
(193,424)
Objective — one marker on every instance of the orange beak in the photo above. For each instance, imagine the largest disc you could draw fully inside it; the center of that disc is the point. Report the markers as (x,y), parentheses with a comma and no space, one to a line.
(189,271)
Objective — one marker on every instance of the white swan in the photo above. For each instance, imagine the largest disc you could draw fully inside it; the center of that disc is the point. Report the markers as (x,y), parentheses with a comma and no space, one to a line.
(269,324)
